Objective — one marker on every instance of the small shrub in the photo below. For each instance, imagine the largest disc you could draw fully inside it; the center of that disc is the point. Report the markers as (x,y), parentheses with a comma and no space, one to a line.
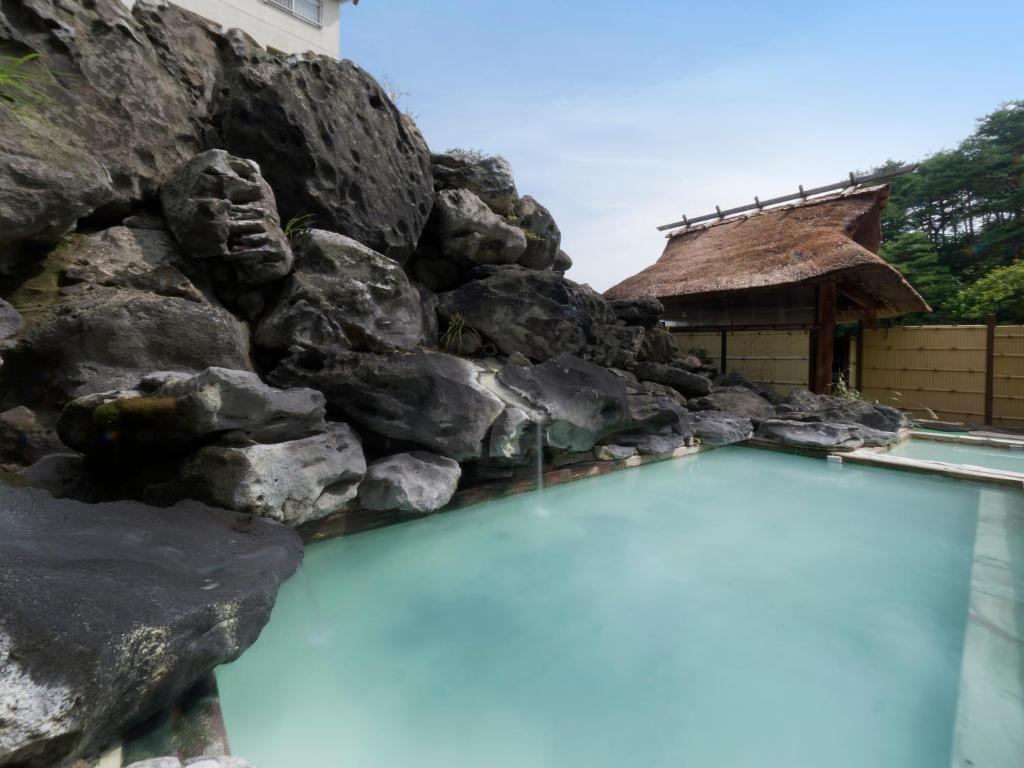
(297,228)
(470,155)
(534,236)
(457,330)
(21,83)
(844,391)
(700,353)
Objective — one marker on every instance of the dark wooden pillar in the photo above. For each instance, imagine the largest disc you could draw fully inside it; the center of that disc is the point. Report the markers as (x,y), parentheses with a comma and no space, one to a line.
(724,353)
(824,337)
(859,385)
(990,366)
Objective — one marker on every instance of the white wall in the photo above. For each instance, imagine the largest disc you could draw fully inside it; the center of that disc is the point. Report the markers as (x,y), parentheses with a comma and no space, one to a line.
(270,25)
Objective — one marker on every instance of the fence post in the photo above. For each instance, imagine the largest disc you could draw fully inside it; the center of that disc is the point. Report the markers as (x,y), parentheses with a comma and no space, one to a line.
(859,386)
(990,347)
(724,352)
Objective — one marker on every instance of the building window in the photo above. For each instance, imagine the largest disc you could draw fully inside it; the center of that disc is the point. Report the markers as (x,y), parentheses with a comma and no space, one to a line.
(307,10)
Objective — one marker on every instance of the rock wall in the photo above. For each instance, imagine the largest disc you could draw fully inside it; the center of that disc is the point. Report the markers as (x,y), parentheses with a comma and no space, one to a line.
(242,279)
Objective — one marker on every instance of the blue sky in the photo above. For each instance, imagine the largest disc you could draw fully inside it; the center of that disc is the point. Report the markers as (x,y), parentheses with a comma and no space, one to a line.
(619,116)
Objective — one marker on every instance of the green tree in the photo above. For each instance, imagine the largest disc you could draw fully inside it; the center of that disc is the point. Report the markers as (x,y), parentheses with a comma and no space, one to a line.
(999,293)
(916,257)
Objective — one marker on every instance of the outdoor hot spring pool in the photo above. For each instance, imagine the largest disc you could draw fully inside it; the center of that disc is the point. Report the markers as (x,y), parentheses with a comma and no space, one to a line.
(1010,459)
(737,608)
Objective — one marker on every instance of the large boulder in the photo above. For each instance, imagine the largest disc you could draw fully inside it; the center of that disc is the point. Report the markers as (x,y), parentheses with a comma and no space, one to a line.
(416,483)
(828,408)
(658,346)
(738,400)
(219,207)
(330,142)
(680,379)
(541,315)
(469,233)
(179,410)
(543,237)
(428,398)
(489,177)
(110,612)
(817,435)
(643,312)
(343,295)
(579,402)
(105,309)
(562,263)
(109,125)
(292,482)
(721,428)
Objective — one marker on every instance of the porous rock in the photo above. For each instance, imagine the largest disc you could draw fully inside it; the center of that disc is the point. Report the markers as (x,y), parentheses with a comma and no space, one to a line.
(429,398)
(543,237)
(643,312)
(418,483)
(468,232)
(181,409)
(110,612)
(738,400)
(683,381)
(343,295)
(292,482)
(219,207)
(541,315)
(23,440)
(658,346)
(720,428)
(819,435)
(367,176)
(489,177)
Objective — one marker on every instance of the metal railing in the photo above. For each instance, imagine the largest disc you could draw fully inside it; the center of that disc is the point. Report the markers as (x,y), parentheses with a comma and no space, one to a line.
(308,10)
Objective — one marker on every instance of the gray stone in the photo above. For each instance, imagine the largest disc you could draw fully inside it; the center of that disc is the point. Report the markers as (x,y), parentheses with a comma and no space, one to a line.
(643,312)
(488,177)
(737,379)
(417,483)
(511,433)
(469,232)
(157,762)
(113,125)
(102,310)
(293,482)
(63,476)
(10,320)
(737,400)
(580,402)
(23,440)
(562,263)
(342,295)
(181,409)
(827,408)
(219,207)
(720,428)
(660,443)
(429,398)
(658,346)
(572,458)
(541,315)
(543,237)
(221,761)
(614,452)
(110,612)
(819,435)
(329,141)
(683,381)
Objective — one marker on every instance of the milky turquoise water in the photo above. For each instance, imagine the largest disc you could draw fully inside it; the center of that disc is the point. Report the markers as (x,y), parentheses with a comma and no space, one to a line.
(739,608)
(956,453)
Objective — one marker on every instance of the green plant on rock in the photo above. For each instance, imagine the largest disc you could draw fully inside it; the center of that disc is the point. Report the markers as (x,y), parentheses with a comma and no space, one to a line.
(841,389)
(470,155)
(21,83)
(534,236)
(297,228)
(458,330)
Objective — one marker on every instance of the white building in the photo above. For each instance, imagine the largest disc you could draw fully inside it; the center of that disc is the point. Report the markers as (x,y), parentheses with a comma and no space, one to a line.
(288,26)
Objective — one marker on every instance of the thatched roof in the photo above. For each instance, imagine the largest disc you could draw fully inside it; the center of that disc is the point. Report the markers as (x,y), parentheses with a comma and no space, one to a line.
(834,236)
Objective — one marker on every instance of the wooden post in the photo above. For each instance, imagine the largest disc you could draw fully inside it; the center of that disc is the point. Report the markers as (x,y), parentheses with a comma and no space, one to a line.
(724,356)
(825,337)
(990,359)
(859,386)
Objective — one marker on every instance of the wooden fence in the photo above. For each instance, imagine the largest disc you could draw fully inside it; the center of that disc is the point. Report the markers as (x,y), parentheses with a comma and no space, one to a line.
(779,359)
(966,373)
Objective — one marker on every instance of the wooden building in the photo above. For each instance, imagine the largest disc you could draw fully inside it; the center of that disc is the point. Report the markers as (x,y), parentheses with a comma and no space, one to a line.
(810,265)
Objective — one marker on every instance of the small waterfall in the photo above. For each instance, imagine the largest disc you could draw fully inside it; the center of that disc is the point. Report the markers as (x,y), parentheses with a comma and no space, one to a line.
(540,461)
